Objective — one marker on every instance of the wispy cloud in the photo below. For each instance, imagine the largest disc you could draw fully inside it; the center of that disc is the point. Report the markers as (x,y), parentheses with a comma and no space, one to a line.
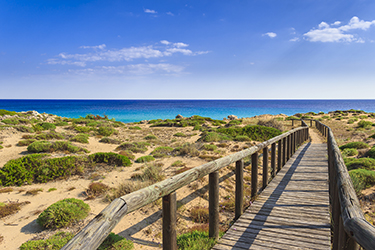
(295,39)
(132,69)
(102,46)
(102,55)
(170,13)
(343,33)
(270,34)
(150,11)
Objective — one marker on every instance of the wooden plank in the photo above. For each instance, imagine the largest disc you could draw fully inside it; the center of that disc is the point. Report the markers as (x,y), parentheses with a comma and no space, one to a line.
(293,210)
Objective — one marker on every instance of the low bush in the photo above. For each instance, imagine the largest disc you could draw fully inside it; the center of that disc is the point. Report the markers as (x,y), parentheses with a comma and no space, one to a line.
(178,164)
(254,132)
(349,152)
(63,213)
(242,138)
(49,136)
(25,142)
(179,134)
(116,242)
(127,153)
(362,179)
(24,129)
(151,137)
(96,189)
(135,147)
(209,147)
(61,123)
(11,121)
(161,151)
(54,242)
(195,240)
(272,123)
(82,129)
(352,120)
(46,146)
(187,149)
(365,124)
(371,153)
(110,140)
(199,214)
(7,112)
(235,122)
(151,174)
(135,127)
(356,145)
(105,131)
(36,168)
(44,126)
(146,158)
(110,158)
(214,137)
(81,138)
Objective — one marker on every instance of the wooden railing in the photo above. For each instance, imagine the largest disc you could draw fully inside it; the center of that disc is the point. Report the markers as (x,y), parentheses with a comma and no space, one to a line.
(350,228)
(98,229)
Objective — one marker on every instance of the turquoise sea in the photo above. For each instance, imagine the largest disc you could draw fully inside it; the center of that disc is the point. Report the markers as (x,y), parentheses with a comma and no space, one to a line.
(137,110)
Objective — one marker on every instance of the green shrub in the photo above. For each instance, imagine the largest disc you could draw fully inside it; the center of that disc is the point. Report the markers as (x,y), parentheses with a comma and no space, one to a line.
(11,121)
(291,118)
(195,240)
(116,242)
(178,163)
(25,142)
(349,152)
(254,132)
(61,123)
(356,145)
(152,174)
(44,126)
(135,127)
(82,129)
(63,213)
(110,140)
(54,242)
(135,147)
(46,146)
(105,131)
(162,150)
(24,129)
(81,138)
(364,124)
(372,136)
(179,134)
(6,112)
(187,149)
(362,179)
(38,169)
(371,153)
(127,153)
(214,137)
(151,137)
(110,158)
(235,122)
(352,120)
(366,163)
(146,158)
(209,147)
(49,136)
(326,117)
(242,138)
(96,189)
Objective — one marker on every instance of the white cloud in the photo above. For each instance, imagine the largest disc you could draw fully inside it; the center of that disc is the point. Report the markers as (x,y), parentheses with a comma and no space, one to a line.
(165,42)
(295,39)
(150,11)
(102,46)
(132,69)
(179,45)
(170,13)
(270,34)
(326,33)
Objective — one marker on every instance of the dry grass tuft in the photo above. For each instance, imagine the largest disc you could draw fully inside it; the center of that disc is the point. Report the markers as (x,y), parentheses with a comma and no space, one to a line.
(10,208)
(34,191)
(6,190)
(199,214)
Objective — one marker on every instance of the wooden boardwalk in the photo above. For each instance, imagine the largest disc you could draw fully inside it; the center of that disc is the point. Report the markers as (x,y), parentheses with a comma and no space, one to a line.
(292,212)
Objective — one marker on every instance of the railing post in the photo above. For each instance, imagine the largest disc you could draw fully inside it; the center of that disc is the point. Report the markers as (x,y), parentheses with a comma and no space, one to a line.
(239,189)
(293,142)
(284,151)
(213,205)
(288,147)
(292,122)
(273,160)
(169,222)
(279,155)
(310,123)
(254,174)
(265,168)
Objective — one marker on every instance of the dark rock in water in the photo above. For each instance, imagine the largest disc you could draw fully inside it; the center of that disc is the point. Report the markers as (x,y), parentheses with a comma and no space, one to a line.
(143,122)
(179,116)
(232,117)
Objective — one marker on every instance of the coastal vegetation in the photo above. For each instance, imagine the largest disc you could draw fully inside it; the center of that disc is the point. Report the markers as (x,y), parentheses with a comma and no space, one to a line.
(112,159)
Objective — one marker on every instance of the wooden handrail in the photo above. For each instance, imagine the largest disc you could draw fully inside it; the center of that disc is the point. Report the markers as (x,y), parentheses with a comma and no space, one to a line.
(95,232)
(350,227)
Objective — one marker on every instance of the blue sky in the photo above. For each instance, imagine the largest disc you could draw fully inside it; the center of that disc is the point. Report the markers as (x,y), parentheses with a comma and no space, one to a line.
(256,49)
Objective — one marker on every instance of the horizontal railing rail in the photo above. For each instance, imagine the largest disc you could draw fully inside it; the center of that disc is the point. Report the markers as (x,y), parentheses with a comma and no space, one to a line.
(350,227)
(98,228)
